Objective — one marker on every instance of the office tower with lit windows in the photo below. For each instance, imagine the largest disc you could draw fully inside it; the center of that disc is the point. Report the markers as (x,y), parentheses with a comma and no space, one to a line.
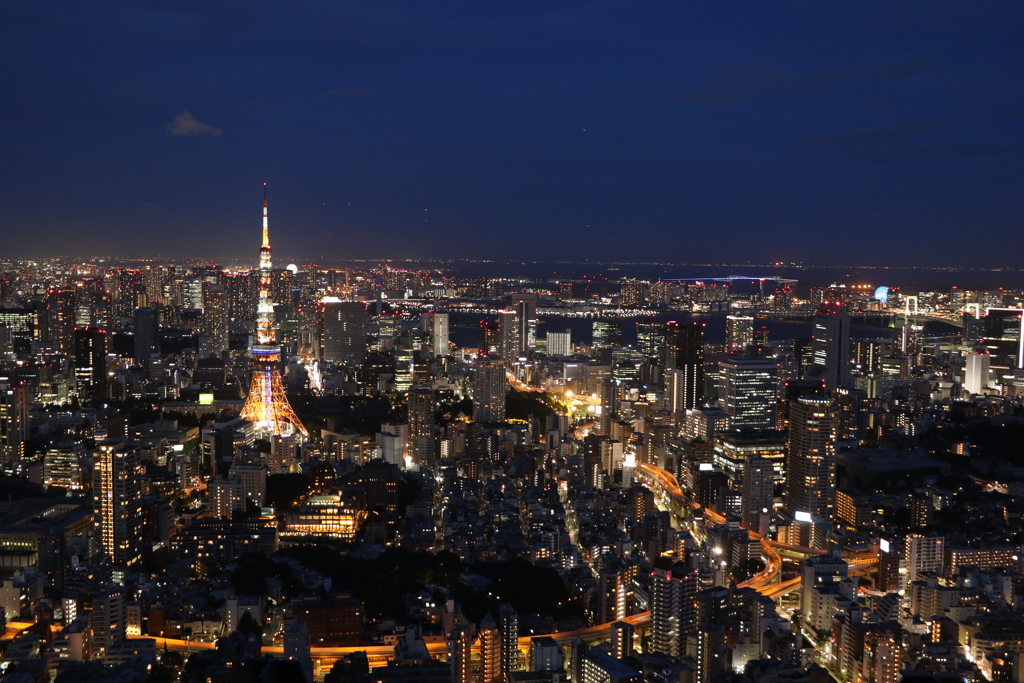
(508,336)
(344,330)
(650,337)
(1001,334)
(117,478)
(439,342)
(748,391)
(684,353)
(811,459)
(978,368)
(421,425)
(559,343)
(91,363)
(267,406)
(739,333)
(215,321)
(60,319)
(757,491)
(62,465)
(13,420)
(526,316)
(489,386)
(830,346)
(607,334)
(490,337)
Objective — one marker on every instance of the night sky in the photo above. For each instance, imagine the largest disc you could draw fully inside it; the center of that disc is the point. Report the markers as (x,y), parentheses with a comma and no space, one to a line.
(852,132)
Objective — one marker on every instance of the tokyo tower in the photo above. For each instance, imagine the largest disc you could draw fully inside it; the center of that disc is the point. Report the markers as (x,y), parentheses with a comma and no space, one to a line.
(267,406)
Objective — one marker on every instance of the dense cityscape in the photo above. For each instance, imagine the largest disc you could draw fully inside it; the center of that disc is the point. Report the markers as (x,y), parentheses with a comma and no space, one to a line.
(384,474)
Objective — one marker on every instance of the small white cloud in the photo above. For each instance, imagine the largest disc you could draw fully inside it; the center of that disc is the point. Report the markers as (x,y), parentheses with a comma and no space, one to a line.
(186,124)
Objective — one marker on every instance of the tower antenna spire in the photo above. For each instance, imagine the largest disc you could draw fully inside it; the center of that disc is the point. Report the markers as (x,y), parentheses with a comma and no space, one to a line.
(267,406)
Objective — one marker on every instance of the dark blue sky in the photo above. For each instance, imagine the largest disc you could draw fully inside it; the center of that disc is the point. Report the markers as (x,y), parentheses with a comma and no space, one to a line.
(854,132)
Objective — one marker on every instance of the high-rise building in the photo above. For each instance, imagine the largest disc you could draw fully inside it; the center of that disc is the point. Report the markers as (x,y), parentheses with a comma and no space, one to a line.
(439,334)
(490,337)
(526,315)
(508,331)
(819,571)
(460,647)
(147,343)
(748,391)
(107,620)
(923,554)
(739,332)
(673,610)
(62,465)
(622,639)
(758,491)
(650,337)
(830,346)
(559,343)
(91,363)
(509,640)
(267,406)
(215,321)
(977,370)
(489,384)
(421,425)
(490,651)
(13,420)
(344,331)
(60,318)
(711,654)
(117,490)
(684,352)
(607,334)
(811,459)
(1001,333)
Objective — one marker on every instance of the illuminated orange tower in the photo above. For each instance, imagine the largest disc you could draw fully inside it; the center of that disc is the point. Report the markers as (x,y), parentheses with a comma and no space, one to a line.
(267,405)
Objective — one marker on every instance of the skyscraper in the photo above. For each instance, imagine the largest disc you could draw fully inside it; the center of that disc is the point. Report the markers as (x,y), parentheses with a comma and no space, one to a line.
(489,390)
(344,332)
(739,332)
(607,334)
(684,351)
(421,425)
(13,420)
(748,391)
(147,343)
(508,331)
(90,363)
(116,495)
(215,320)
(439,334)
(811,459)
(757,491)
(267,406)
(830,346)
(526,314)
(977,370)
